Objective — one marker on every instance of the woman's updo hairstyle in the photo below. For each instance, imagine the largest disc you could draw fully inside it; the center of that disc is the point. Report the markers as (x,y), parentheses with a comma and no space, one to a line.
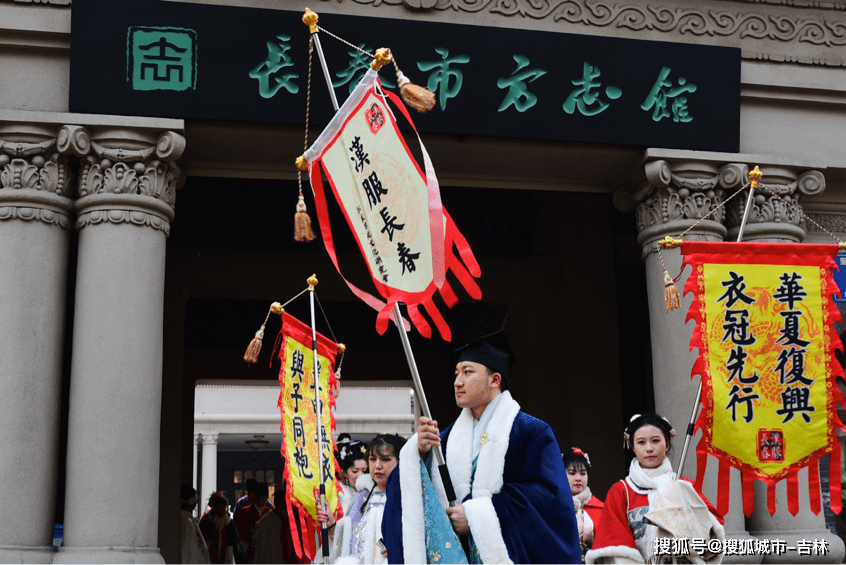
(355,451)
(576,458)
(640,420)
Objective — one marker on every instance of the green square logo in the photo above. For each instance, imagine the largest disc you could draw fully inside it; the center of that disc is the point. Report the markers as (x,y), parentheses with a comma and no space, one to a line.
(161,58)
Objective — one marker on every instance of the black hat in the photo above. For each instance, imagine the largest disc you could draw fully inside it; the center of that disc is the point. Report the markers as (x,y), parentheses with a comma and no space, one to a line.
(493,351)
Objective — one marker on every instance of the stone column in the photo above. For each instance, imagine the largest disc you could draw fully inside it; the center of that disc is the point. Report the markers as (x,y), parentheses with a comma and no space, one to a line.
(194,450)
(209,467)
(670,198)
(35,204)
(127,186)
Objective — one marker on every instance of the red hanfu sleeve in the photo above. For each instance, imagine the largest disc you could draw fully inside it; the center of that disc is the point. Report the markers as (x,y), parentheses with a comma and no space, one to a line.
(614,537)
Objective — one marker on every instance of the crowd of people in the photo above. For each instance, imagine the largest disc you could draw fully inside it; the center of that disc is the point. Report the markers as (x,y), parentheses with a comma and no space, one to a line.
(510,494)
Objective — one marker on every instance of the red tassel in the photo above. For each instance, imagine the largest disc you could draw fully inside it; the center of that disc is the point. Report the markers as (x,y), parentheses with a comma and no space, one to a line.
(834,479)
(723,487)
(771,498)
(748,487)
(814,485)
(793,493)
(294,529)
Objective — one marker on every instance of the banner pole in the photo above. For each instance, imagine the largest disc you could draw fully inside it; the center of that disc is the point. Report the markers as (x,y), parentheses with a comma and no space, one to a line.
(424,405)
(755,176)
(318,412)
(310,19)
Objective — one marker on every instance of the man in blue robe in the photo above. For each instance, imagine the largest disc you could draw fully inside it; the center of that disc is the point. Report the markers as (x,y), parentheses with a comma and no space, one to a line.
(515,502)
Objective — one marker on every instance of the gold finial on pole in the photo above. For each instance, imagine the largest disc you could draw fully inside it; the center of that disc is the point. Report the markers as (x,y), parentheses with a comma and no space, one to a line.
(670,242)
(382,58)
(755,176)
(301,163)
(342,347)
(310,19)
(312,282)
(277,309)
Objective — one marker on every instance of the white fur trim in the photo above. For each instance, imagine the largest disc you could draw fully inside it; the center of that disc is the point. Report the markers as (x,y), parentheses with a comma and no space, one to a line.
(489,469)
(488,481)
(413,522)
(486,530)
(614,554)
(364,482)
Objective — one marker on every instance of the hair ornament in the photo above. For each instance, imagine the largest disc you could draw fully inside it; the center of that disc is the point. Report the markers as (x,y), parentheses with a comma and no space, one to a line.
(669,425)
(626,439)
(636,416)
(578,451)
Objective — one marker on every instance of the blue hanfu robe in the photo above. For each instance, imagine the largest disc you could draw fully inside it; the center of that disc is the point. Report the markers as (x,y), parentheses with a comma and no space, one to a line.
(517,501)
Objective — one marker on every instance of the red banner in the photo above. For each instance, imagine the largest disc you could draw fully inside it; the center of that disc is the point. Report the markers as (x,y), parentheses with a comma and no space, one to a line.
(306,459)
(765,332)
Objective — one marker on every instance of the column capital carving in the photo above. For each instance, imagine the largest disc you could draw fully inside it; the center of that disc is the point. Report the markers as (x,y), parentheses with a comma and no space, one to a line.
(776,212)
(209,438)
(28,160)
(123,161)
(668,192)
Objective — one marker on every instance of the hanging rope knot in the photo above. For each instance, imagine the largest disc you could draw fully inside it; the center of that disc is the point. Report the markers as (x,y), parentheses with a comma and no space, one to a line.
(670,242)
(383,57)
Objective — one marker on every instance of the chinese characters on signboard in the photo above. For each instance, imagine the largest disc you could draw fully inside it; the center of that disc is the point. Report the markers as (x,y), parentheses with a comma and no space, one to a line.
(187,60)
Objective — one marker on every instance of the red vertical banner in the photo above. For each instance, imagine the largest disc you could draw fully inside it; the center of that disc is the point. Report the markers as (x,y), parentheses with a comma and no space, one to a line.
(765,319)
(307,427)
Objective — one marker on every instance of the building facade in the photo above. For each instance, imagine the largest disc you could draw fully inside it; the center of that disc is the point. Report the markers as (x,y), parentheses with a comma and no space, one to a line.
(141,241)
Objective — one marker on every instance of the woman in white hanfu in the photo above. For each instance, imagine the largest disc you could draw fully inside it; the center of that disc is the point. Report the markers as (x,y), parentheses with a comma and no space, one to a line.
(356,539)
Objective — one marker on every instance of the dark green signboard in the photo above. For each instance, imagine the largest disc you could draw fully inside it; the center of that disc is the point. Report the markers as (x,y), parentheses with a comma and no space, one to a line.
(170,59)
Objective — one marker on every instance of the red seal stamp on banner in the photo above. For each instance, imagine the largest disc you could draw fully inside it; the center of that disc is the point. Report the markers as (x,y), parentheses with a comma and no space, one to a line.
(770,446)
(375,118)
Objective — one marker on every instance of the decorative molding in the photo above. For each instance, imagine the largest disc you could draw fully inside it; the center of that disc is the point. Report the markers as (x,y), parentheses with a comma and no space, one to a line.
(835,223)
(123,217)
(27,213)
(157,178)
(825,30)
(36,172)
(53,2)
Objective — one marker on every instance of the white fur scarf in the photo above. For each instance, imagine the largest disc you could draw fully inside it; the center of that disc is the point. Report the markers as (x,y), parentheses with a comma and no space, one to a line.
(652,483)
(481,515)
(582,517)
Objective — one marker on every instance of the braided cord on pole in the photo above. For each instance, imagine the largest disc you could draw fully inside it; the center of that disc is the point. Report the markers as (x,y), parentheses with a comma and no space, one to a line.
(308,109)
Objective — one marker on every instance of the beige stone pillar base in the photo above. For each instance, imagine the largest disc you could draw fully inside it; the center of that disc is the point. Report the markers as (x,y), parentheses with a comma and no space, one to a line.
(792,529)
(107,555)
(18,554)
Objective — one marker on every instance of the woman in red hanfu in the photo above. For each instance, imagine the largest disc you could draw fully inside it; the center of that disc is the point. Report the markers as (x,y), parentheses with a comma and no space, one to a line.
(588,507)
(621,534)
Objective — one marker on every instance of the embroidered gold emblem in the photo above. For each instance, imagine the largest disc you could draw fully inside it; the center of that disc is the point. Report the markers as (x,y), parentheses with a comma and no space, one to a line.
(484,438)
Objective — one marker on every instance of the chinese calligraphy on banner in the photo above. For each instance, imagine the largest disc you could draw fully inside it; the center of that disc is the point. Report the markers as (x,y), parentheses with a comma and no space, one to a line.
(392,207)
(765,333)
(303,455)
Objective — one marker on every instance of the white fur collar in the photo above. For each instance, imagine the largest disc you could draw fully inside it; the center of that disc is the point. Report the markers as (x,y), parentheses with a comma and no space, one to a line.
(488,481)
(489,469)
(364,482)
